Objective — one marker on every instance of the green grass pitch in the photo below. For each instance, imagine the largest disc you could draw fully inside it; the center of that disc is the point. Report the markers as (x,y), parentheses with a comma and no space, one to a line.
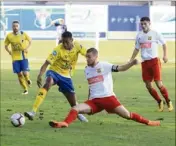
(102,129)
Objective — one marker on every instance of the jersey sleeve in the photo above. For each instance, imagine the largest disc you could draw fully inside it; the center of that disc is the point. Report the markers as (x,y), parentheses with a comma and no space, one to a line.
(160,38)
(6,42)
(27,37)
(53,56)
(137,44)
(82,50)
(107,67)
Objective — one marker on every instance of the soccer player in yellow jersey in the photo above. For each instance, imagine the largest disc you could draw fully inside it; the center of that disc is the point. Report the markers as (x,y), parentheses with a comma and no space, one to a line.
(20,43)
(62,62)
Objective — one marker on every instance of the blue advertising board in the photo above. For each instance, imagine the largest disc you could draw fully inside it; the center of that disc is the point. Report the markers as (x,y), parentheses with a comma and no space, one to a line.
(33,19)
(37,21)
(124,18)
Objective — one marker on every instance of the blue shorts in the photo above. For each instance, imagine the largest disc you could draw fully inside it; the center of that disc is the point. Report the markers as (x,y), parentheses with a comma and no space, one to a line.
(65,84)
(20,65)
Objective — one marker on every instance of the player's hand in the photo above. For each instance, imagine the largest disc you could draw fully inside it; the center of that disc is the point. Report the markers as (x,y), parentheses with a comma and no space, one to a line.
(25,50)
(39,81)
(165,59)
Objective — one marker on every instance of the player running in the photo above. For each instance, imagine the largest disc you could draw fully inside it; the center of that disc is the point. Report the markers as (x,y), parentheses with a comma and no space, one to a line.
(60,29)
(101,95)
(62,62)
(20,43)
(147,41)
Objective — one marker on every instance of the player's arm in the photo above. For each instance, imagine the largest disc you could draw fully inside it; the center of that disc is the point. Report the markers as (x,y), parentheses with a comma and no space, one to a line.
(164,46)
(66,28)
(118,68)
(136,50)
(42,71)
(82,50)
(56,24)
(49,61)
(165,59)
(7,42)
(29,42)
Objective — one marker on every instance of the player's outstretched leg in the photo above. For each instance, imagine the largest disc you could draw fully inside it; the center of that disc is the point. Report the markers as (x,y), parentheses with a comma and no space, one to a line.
(71,97)
(155,95)
(22,82)
(123,112)
(165,94)
(80,108)
(39,98)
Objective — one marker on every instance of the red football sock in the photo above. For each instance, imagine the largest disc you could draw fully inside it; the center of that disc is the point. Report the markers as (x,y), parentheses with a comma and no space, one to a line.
(164,92)
(71,116)
(154,94)
(138,118)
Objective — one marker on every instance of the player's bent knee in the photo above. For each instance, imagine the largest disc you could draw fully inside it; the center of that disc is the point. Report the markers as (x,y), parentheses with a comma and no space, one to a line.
(25,73)
(82,108)
(47,86)
(126,115)
(20,74)
(48,83)
(159,84)
(149,86)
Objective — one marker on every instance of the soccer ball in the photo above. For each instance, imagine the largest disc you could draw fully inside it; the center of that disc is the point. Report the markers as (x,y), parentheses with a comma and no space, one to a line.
(17,120)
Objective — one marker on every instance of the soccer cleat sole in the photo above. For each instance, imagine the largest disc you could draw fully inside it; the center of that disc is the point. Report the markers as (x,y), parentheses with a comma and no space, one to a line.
(26,93)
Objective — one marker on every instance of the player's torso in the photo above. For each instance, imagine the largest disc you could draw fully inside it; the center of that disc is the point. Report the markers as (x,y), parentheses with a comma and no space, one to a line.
(66,61)
(148,44)
(18,43)
(100,81)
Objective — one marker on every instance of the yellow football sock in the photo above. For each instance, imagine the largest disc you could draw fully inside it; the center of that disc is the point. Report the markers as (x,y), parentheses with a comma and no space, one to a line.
(39,99)
(27,77)
(23,82)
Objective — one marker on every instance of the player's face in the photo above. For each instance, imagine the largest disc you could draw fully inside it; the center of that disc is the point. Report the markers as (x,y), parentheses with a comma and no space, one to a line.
(67,43)
(145,26)
(15,27)
(91,59)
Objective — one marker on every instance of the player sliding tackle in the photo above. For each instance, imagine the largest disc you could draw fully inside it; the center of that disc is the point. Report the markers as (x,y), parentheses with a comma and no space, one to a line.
(101,95)
(62,62)
(20,43)
(147,41)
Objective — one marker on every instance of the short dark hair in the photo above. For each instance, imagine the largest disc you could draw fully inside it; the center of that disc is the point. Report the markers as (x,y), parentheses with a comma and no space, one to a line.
(93,50)
(67,34)
(15,21)
(145,19)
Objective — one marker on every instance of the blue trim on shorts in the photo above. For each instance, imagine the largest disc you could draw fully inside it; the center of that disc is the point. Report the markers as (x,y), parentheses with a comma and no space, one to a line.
(65,84)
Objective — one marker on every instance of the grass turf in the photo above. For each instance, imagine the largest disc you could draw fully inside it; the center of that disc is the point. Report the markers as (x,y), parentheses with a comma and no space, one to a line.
(102,129)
